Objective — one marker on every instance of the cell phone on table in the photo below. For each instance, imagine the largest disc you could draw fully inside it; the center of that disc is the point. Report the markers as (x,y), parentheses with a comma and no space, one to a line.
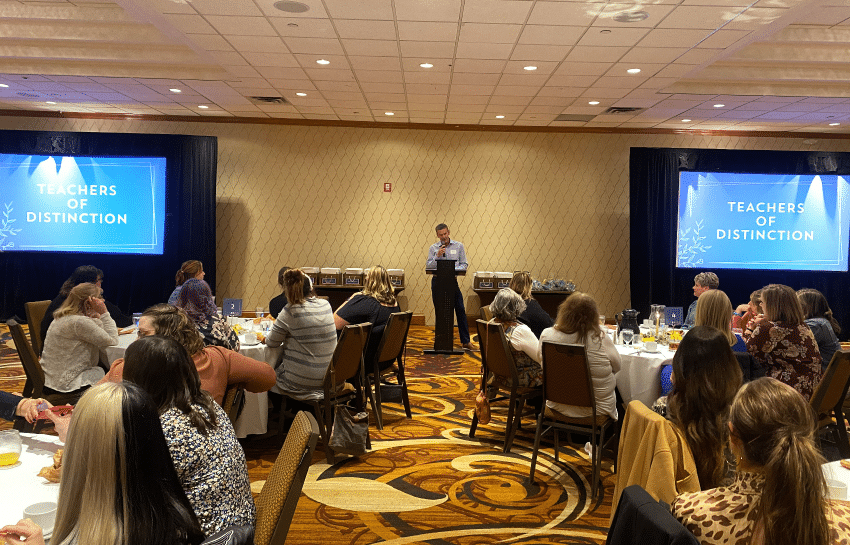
(60,410)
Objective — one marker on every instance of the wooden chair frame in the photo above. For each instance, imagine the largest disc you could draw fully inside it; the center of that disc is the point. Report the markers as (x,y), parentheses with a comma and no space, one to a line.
(828,400)
(35,314)
(391,349)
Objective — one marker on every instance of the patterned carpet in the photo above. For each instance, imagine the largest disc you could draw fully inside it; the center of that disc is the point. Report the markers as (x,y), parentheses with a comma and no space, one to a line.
(425,480)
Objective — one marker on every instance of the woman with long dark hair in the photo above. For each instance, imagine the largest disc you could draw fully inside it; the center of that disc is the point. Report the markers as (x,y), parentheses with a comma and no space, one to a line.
(818,316)
(209,460)
(189,269)
(118,483)
(778,496)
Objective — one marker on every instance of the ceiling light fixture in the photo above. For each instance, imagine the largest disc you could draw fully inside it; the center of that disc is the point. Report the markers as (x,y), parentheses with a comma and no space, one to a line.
(50,102)
(389,113)
(686,121)
(834,124)
(323,61)
(203,107)
(3,85)
(719,105)
(291,7)
(175,90)
(500,117)
(426,65)
(633,70)
(301,94)
(593,102)
(529,68)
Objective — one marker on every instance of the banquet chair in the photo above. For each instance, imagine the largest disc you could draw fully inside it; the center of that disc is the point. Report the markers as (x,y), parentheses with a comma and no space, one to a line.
(34,385)
(35,314)
(279,496)
(486,314)
(828,400)
(390,350)
(642,520)
(496,358)
(343,382)
(561,361)
(234,401)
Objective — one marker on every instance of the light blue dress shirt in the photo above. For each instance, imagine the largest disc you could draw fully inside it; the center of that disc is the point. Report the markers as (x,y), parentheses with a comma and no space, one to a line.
(454,250)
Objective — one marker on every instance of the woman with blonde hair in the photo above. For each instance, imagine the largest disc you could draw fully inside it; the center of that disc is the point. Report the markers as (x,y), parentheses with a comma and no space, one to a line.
(218,367)
(578,323)
(189,269)
(778,496)
(783,343)
(818,316)
(119,486)
(715,309)
(81,328)
(305,329)
(533,316)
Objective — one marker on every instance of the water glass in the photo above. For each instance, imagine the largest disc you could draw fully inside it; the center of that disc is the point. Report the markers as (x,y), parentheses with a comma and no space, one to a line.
(628,335)
(258,312)
(10,447)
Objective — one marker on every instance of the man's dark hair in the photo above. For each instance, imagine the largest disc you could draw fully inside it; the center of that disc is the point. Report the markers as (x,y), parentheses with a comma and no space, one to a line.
(440,227)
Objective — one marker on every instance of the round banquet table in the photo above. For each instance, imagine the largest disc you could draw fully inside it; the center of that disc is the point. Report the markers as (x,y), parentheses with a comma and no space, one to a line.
(834,471)
(640,373)
(254,418)
(20,485)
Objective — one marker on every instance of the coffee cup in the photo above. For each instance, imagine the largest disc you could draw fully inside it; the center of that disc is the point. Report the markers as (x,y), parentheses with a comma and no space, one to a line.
(43,514)
(837,490)
(250,338)
(650,346)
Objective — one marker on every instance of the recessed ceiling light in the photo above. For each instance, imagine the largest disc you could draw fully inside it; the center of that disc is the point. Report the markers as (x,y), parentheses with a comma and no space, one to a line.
(500,117)
(719,105)
(50,102)
(301,94)
(686,121)
(203,107)
(593,102)
(323,61)
(426,65)
(291,7)
(529,68)
(633,70)
(834,124)
(3,85)
(389,113)
(175,90)
(631,16)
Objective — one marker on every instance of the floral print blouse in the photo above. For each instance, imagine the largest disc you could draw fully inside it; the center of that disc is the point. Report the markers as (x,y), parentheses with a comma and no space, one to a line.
(788,353)
(726,515)
(216,332)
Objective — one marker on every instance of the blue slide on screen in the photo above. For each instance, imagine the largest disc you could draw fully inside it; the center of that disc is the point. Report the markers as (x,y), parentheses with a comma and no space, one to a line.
(82,204)
(763,221)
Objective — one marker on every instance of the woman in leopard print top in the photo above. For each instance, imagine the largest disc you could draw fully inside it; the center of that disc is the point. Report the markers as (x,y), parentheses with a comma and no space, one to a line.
(778,496)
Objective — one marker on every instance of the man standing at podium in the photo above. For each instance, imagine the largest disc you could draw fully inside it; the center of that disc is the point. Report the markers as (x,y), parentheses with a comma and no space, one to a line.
(447,248)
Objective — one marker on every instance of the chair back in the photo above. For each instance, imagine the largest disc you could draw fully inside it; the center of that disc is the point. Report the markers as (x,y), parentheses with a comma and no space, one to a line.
(641,520)
(486,314)
(495,352)
(35,314)
(32,367)
(234,400)
(279,497)
(348,355)
(567,360)
(832,389)
(394,338)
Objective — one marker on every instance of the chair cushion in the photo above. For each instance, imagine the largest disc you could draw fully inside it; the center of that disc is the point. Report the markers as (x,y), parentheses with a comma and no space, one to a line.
(549,414)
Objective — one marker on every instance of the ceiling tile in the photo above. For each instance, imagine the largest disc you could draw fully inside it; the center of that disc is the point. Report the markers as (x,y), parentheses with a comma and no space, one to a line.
(430,77)
(597,54)
(303,28)
(655,12)
(564,13)
(372,48)
(427,31)
(661,37)
(316,11)
(479,66)
(515,90)
(482,51)
(270,59)
(504,11)
(210,42)
(283,73)
(381,87)
(582,69)
(532,53)
(379,76)
(261,44)
(428,50)
(374,63)
(329,74)
(654,54)
(489,33)
(555,91)
(472,90)
(244,26)
(572,81)
(378,10)
(702,17)
(226,7)
(614,36)
(723,38)
(318,47)
(191,24)
(432,10)
(465,78)
(524,79)
(550,34)
(518,67)
(365,30)
(756,18)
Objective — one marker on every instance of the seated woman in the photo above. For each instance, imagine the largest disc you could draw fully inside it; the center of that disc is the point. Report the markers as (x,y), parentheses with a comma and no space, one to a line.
(217,367)
(209,460)
(533,316)
(783,343)
(305,329)
(825,328)
(748,313)
(374,304)
(196,300)
(705,377)
(578,323)
(80,329)
(118,483)
(778,495)
(189,269)
(277,304)
(506,307)
(81,275)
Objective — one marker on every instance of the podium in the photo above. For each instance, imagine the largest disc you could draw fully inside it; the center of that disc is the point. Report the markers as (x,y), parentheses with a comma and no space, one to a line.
(444,306)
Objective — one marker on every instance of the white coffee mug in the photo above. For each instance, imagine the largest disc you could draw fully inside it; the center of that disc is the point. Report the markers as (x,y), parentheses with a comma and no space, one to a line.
(650,346)
(43,514)
(837,489)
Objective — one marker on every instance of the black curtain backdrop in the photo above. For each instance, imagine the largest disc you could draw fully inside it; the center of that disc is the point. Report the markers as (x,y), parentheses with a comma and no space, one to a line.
(654,193)
(133,282)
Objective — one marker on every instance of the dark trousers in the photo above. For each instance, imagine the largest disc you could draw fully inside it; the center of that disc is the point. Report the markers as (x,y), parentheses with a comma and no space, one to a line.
(460,311)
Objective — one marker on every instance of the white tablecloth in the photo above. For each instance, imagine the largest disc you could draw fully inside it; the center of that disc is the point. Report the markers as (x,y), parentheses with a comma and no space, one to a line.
(834,471)
(640,373)
(20,484)
(254,417)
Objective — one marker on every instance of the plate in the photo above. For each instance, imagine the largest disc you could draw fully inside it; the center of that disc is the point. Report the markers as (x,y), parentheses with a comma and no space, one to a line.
(244,343)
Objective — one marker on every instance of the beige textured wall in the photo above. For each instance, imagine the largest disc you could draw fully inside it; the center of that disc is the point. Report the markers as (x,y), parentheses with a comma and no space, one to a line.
(555,204)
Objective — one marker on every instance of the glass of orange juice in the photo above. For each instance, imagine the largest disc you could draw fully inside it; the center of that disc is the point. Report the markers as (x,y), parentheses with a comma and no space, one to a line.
(10,447)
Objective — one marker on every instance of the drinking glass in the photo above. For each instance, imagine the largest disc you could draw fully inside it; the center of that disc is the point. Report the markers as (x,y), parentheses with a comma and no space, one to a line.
(602,319)
(628,334)
(136,317)
(10,447)
(258,312)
